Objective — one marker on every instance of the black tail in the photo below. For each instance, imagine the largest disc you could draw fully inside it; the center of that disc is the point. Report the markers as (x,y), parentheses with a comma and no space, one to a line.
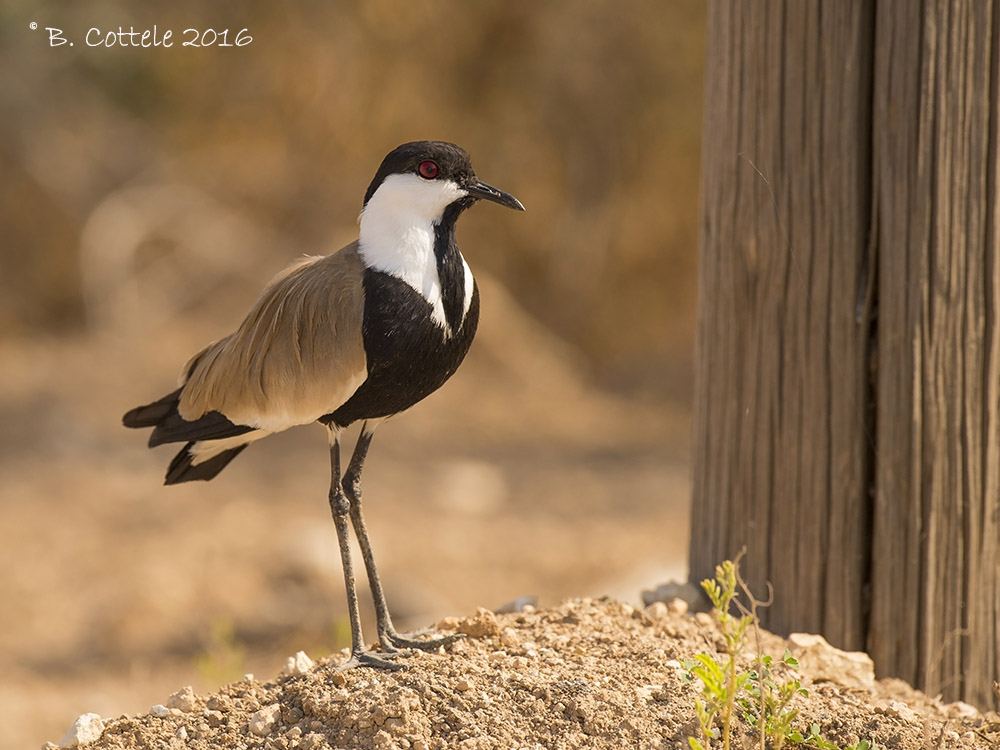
(152,414)
(182,470)
(169,427)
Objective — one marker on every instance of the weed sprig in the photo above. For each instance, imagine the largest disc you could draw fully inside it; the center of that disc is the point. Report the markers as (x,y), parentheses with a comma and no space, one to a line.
(761,696)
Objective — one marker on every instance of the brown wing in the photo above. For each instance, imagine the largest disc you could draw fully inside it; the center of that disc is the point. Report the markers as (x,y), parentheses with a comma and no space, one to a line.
(298,354)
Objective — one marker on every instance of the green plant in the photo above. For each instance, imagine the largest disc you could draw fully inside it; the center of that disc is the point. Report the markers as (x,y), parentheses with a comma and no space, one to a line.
(762,695)
(766,703)
(721,681)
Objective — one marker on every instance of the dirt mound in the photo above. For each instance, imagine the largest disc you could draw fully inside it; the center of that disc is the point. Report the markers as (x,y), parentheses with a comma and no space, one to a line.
(595,674)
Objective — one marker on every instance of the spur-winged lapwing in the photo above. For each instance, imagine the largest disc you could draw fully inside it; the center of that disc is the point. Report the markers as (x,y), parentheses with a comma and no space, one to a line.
(359,335)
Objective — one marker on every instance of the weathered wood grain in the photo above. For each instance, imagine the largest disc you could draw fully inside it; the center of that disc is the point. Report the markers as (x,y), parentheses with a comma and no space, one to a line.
(935,547)
(780,401)
(847,406)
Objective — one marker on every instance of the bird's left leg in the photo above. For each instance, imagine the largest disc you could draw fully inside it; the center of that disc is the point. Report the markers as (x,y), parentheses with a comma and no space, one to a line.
(391,640)
(340,509)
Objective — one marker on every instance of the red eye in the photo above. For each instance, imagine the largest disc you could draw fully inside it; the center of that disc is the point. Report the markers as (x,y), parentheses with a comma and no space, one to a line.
(428,170)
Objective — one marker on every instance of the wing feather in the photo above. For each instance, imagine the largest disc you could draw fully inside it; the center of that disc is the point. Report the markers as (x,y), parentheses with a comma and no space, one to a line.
(299,353)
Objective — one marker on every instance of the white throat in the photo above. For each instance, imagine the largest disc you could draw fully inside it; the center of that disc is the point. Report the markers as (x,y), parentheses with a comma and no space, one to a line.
(397,235)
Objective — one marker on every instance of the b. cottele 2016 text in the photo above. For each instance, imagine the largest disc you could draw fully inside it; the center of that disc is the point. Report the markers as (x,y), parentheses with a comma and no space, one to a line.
(154,37)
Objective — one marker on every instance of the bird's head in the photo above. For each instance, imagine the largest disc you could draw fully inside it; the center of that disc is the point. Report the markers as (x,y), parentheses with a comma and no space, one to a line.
(426,178)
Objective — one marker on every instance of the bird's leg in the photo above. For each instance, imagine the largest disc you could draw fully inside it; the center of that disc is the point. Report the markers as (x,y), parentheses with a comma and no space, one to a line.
(340,507)
(391,640)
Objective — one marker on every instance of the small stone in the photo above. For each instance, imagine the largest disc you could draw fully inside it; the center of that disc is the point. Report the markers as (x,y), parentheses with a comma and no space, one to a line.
(646,692)
(296,665)
(447,623)
(899,710)
(183,700)
(962,710)
(657,611)
(824,663)
(463,684)
(482,625)
(339,679)
(219,703)
(50,746)
(215,718)
(704,619)
(312,741)
(262,722)
(181,732)
(510,638)
(248,677)
(86,728)
(678,607)
(159,710)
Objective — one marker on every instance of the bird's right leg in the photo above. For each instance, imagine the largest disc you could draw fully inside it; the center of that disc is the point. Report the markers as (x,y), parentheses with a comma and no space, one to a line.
(340,507)
(391,640)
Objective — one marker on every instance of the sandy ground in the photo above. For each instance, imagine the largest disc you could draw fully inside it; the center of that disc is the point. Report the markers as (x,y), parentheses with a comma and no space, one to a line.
(518,478)
(586,674)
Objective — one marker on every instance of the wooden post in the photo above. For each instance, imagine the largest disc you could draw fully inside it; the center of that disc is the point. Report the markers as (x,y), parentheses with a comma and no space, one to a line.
(847,406)
(936,560)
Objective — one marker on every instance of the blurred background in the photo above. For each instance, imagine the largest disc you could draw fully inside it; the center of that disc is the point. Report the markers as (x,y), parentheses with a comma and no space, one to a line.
(146,196)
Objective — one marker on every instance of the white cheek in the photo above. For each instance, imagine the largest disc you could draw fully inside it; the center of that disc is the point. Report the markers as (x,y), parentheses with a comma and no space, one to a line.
(397,234)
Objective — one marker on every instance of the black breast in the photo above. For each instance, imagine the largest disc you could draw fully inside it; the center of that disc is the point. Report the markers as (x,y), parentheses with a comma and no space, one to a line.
(409,356)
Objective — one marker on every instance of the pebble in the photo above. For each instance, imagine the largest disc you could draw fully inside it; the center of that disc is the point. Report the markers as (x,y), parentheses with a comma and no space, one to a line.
(646,692)
(657,611)
(296,665)
(181,732)
(510,638)
(482,625)
(678,607)
(262,722)
(899,710)
(159,710)
(183,700)
(463,684)
(823,662)
(86,728)
(704,619)
(962,710)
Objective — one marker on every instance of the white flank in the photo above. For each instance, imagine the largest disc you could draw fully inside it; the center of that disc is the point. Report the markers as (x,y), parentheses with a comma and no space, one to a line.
(397,235)
(203,450)
(468,288)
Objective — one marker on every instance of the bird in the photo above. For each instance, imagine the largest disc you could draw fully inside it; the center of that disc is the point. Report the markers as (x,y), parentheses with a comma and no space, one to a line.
(359,335)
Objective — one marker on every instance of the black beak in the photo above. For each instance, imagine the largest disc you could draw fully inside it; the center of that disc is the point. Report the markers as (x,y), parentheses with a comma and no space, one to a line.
(479,189)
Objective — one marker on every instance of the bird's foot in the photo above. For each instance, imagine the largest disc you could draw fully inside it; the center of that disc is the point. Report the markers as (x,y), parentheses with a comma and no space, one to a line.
(368,659)
(391,640)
